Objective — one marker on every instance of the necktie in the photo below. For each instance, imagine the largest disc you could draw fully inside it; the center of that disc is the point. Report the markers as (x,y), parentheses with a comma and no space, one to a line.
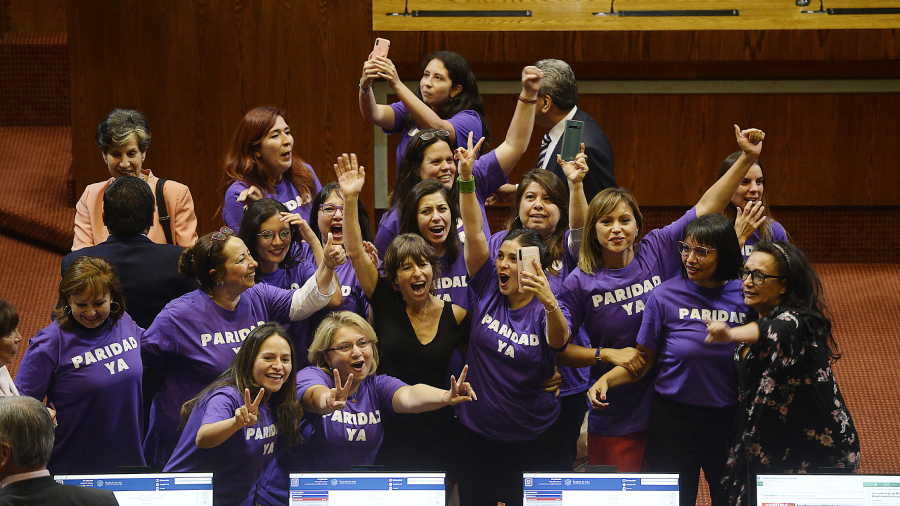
(545,143)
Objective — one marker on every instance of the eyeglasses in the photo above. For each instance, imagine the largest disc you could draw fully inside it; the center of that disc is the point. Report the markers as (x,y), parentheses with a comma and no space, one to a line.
(266,236)
(348,347)
(222,234)
(427,136)
(699,251)
(758,277)
(330,209)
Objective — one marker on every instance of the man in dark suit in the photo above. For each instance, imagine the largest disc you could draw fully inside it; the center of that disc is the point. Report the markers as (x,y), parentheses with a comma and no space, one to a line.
(148,272)
(26,441)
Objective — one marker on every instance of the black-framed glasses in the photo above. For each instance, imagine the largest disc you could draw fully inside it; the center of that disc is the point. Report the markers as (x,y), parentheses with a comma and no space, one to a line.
(330,209)
(427,136)
(222,234)
(757,277)
(266,236)
(348,347)
(699,251)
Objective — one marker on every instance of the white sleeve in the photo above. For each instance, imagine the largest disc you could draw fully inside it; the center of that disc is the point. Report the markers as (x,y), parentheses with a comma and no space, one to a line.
(307,299)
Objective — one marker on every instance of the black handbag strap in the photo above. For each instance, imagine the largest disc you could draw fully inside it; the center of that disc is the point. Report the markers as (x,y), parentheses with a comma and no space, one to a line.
(163,213)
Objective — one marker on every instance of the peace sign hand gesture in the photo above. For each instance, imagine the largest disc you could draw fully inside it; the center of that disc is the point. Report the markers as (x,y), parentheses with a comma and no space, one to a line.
(466,158)
(246,415)
(460,391)
(337,397)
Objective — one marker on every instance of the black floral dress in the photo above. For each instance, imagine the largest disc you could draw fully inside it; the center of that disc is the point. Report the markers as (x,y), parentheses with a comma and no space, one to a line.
(792,417)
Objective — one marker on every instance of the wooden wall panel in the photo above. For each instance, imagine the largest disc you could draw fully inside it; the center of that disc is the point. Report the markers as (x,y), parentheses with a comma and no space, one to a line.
(194,68)
(33,16)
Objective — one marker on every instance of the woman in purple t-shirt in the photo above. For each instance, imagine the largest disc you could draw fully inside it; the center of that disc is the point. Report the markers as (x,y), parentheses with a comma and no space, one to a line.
(344,402)
(696,387)
(88,365)
(606,297)
(196,336)
(430,156)
(748,209)
(512,347)
(232,427)
(447,99)
(261,163)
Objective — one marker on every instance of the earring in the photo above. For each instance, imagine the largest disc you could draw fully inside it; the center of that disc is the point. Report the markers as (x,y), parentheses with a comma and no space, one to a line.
(116,310)
(220,284)
(67,310)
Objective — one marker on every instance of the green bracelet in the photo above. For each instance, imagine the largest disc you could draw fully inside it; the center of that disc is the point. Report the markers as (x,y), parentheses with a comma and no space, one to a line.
(466,186)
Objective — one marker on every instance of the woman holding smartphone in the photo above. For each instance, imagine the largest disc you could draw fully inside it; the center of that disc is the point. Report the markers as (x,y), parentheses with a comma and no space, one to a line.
(447,99)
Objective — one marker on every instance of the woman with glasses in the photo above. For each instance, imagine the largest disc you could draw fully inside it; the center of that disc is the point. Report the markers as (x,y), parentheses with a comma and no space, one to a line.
(196,336)
(345,402)
(261,163)
(447,99)
(696,388)
(274,237)
(606,296)
(429,155)
(792,416)
(748,209)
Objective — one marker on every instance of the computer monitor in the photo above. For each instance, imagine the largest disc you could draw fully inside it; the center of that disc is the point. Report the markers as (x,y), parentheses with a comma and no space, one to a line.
(827,489)
(158,489)
(354,489)
(582,489)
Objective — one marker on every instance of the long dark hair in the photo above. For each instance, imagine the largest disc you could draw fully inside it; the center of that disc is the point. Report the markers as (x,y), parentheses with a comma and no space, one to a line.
(409,211)
(364,224)
(240,376)
(409,173)
(803,291)
(254,217)
(556,191)
(730,211)
(468,99)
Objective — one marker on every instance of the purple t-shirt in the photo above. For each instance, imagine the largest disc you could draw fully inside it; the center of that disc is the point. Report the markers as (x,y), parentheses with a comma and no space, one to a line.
(196,340)
(574,380)
(463,122)
(508,358)
(778,234)
(488,176)
(93,377)
(333,442)
(301,331)
(239,462)
(352,293)
(285,192)
(609,306)
(690,371)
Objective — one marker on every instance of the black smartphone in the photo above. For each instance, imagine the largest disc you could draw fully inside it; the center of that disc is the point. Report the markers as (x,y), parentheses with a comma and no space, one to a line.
(572,139)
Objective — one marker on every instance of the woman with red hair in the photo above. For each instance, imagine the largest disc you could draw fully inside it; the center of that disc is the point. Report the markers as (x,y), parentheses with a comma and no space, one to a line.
(261,163)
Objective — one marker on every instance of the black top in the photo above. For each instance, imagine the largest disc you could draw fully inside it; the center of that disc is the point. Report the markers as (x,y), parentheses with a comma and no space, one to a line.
(44,490)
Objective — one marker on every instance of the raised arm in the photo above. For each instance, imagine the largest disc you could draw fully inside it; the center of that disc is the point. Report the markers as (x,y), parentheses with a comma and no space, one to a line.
(557,325)
(519,133)
(352,176)
(575,172)
(720,193)
(377,114)
(420,398)
(475,248)
(421,113)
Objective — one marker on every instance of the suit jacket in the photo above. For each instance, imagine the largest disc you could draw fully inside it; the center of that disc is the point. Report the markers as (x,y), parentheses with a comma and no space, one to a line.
(90,229)
(44,490)
(600,158)
(148,273)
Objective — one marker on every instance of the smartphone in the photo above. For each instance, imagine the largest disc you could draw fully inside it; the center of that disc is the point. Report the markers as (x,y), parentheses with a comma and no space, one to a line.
(571,141)
(381,47)
(523,261)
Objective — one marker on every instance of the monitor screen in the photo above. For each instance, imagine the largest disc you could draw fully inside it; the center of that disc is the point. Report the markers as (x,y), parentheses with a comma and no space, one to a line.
(827,489)
(162,489)
(354,489)
(616,489)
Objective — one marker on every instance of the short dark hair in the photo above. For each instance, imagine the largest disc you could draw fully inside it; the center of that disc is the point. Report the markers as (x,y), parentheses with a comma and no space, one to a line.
(410,246)
(9,318)
(715,231)
(409,211)
(559,83)
(27,429)
(119,127)
(257,214)
(128,206)
(528,237)
(364,225)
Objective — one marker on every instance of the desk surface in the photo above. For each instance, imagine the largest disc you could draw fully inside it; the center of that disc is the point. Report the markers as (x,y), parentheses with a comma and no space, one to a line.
(577,15)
